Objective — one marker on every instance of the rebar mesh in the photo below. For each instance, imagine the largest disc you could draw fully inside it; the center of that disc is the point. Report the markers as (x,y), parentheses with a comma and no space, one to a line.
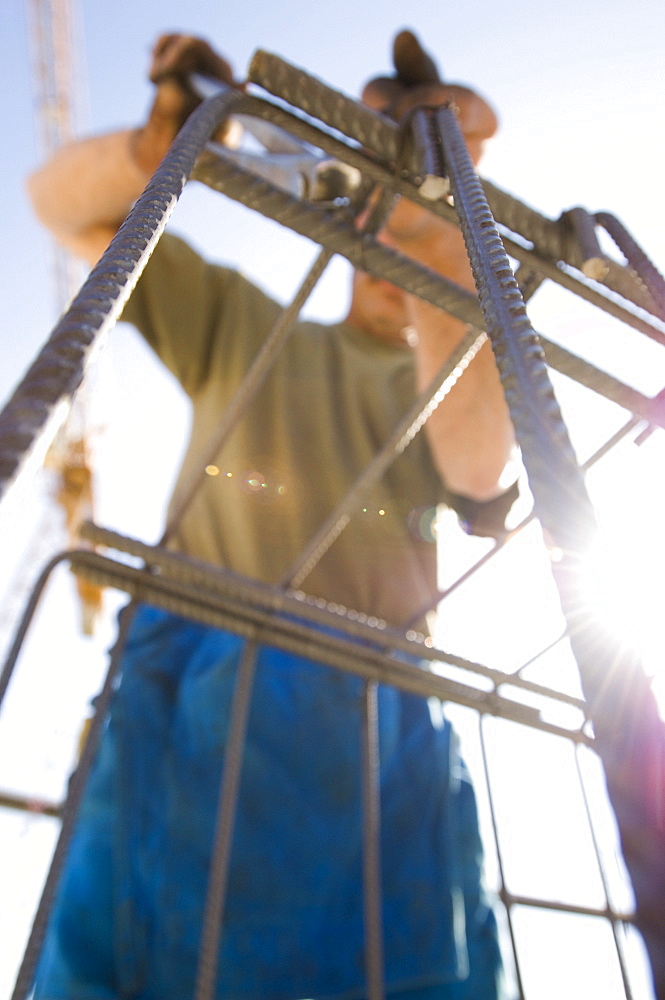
(287,616)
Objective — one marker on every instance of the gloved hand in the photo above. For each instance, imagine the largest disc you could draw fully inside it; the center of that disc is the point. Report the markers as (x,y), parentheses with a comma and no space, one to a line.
(174,57)
(417,82)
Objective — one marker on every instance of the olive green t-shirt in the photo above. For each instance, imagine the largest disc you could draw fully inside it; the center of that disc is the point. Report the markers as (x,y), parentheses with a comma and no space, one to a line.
(327,406)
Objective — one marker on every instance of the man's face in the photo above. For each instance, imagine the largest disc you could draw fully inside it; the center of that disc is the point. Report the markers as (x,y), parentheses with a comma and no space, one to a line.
(378,307)
(476,117)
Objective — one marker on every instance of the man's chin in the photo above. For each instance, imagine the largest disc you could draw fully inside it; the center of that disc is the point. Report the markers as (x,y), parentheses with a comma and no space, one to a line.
(388,333)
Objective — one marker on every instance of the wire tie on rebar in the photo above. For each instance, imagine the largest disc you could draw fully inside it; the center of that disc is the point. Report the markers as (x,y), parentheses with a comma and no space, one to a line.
(417,145)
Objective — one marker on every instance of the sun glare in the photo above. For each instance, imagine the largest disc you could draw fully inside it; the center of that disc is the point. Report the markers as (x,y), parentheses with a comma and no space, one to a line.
(629,561)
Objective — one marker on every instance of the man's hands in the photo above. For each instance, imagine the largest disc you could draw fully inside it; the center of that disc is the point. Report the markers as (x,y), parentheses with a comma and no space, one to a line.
(174,57)
(85,190)
(417,83)
(470,436)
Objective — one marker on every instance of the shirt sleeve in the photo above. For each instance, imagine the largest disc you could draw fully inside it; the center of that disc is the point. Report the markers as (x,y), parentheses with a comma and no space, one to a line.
(177,305)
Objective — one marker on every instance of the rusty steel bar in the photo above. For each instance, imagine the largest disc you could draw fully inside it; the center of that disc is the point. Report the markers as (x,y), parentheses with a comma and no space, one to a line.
(560,496)
(549,237)
(636,257)
(58,369)
(206,978)
(26,974)
(333,649)
(371,802)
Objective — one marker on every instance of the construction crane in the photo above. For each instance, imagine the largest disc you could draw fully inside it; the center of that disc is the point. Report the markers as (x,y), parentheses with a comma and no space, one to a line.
(59,84)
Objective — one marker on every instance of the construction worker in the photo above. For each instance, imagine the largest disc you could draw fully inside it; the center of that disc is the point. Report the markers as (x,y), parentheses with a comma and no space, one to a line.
(128,919)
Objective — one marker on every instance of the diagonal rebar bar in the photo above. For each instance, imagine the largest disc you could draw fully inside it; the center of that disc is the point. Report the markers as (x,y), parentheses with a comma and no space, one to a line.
(562,503)
(377,133)
(246,392)
(58,370)
(541,430)
(401,436)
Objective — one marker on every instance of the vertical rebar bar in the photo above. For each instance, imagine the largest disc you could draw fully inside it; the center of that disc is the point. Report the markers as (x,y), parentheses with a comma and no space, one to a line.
(206,980)
(499,854)
(603,873)
(77,785)
(560,496)
(371,797)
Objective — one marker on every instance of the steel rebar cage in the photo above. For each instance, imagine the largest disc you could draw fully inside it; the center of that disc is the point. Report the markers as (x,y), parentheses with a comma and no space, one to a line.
(595,721)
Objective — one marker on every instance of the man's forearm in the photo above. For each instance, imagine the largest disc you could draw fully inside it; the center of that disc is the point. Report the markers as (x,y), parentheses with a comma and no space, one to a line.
(85,191)
(470,434)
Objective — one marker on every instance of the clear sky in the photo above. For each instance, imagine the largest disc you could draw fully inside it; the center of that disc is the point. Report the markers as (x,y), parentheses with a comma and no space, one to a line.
(580,91)
(578,85)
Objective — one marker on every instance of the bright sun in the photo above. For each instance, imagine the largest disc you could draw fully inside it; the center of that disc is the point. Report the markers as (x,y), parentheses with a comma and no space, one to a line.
(628,495)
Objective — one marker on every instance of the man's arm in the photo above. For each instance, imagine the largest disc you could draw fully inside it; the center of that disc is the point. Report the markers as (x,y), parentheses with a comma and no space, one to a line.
(470,434)
(85,191)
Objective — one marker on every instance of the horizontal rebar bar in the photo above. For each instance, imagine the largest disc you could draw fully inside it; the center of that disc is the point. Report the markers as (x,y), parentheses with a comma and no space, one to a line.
(379,134)
(514,899)
(354,624)
(28,804)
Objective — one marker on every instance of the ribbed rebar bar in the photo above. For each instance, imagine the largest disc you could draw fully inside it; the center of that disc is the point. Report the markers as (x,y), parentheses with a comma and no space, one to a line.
(334,649)
(560,496)
(629,734)
(317,99)
(58,369)
(381,135)
(210,582)
(602,297)
(636,258)
(584,373)
(395,271)
(551,238)
(77,784)
(371,799)
(331,229)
